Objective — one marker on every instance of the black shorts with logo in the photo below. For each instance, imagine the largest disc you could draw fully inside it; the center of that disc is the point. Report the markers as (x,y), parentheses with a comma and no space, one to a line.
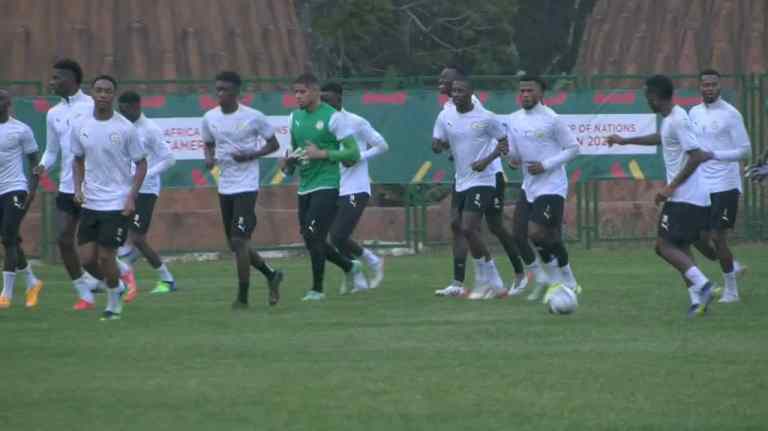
(11,214)
(105,228)
(238,214)
(481,199)
(545,210)
(65,202)
(142,218)
(681,223)
(317,211)
(350,210)
(724,208)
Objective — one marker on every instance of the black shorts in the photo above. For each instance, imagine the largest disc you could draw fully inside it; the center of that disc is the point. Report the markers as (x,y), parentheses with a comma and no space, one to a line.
(238,214)
(11,214)
(65,202)
(725,207)
(142,218)
(546,210)
(681,223)
(105,228)
(482,199)
(350,210)
(317,211)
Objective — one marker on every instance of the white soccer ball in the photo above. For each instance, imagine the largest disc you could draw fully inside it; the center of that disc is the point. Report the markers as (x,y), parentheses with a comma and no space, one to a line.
(561,300)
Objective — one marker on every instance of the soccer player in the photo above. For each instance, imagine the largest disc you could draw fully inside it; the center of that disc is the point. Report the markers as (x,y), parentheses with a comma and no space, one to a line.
(321,137)
(355,188)
(231,133)
(686,198)
(16,195)
(74,104)
(720,129)
(494,219)
(159,159)
(468,131)
(105,146)
(542,143)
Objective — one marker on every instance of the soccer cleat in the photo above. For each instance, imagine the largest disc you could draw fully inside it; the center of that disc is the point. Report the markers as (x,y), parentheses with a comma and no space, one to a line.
(729,297)
(109,315)
(693,310)
(33,293)
(452,290)
(133,291)
(519,285)
(496,293)
(535,294)
(274,287)
(377,273)
(4,302)
(739,269)
(163,287)
(359,281)
(313,295)
(479,292)
(707,295)
(82,305)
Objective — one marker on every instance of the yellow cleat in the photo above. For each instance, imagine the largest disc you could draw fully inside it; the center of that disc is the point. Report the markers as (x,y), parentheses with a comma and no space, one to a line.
(4,302)
(32,294)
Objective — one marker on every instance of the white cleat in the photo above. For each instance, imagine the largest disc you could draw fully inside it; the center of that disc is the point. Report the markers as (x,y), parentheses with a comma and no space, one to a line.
(377,274)
(478,293)
(519,285)
(452,290)
(537,291)
(356,278)
(729,298)
(739,269)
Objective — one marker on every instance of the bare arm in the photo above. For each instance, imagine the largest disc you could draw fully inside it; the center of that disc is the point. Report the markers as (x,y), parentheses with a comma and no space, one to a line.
(78,173)
(647,140)
(502,147)
(138,180)
(695,158)
(33,180)
(210,151)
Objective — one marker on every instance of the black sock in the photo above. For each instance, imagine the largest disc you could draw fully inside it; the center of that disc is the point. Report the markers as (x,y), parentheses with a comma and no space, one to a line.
(459,269)
(242,292)
(526,252)
(265,269)
(559,251)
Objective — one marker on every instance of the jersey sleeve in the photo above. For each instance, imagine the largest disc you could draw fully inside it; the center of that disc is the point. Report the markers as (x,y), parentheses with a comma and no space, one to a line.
(76,145)
(686,134)
(205,131)
(290,131)
(568,143)
(342,125)
(741,146)
(134,148)
(261,125)
(495,129)
(162,157)
(439,132)
(28,142)
(51,144)
(376,143)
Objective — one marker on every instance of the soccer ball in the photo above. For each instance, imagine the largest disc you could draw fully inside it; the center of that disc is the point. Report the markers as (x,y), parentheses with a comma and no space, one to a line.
(561,300)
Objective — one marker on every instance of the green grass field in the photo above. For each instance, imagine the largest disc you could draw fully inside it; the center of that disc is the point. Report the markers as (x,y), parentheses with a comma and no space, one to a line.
(393,359)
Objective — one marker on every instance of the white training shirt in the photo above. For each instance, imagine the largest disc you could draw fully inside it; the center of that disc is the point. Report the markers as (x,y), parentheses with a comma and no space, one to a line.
(59,121)
(720,129)
(110,149)
(677,139)
(356,179)
(16,141)
(472,136)
(540,135)
(495,165)
(233,133)
(159,156)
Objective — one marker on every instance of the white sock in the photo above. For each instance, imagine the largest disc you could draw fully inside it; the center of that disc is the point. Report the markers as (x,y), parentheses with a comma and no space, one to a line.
(696,277)
(693,295)
(493,274)
(29,276)
(567,274)
(729,280)
(553,271)
(123,267)
(480,270)
(370,258)
(114,304)
(9,280)
(165,274)
(83,287)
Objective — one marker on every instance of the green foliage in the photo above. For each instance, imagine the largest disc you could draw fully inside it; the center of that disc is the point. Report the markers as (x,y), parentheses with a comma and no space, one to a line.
(412,37)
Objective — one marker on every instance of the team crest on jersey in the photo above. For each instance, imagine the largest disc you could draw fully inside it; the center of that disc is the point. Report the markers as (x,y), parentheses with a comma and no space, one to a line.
(479,125)
(319,125)
(114,138)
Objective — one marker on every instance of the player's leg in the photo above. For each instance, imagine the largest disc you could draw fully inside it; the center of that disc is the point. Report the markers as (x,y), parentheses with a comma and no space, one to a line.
(9,231)
(237,234)
(350,210)
(476,203)
(520,231)
(317,265)
(725,206)
(495,221)
(459,247)
(87,235)
(245,209)
(34,285)
(68,216)
(112,233)
(551,227)
(679,227)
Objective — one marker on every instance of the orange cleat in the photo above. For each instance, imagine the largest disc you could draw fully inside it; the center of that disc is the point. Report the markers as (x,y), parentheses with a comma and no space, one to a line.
(83,305)
(4,302)
(33,293)
(133,291)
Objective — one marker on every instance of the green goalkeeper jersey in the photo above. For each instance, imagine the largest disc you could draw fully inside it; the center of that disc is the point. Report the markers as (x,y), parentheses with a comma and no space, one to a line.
(329,130)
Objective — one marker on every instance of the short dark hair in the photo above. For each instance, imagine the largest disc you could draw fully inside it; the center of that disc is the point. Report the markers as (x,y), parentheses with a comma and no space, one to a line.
(230,76)
(308,79)
(130,97)
(660,85)
(709,72)
(535,78)
(105,78)
(458,67)
(333,87)
(72,66)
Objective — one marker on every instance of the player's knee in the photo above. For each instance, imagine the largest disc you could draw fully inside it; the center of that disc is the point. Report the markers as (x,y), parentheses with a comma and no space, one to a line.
(238,244)
(456,227)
